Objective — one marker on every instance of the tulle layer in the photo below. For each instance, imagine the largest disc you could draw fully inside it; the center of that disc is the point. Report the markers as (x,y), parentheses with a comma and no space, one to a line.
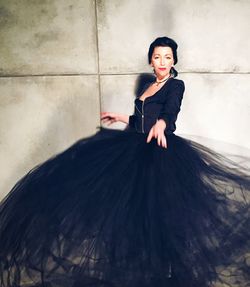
(115,211)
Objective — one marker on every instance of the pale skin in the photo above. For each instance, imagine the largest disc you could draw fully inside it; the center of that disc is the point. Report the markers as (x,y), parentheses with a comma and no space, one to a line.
(162,57)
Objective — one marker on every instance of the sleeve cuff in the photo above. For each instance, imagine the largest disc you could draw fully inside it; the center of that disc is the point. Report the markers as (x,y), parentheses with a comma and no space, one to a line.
(166,120)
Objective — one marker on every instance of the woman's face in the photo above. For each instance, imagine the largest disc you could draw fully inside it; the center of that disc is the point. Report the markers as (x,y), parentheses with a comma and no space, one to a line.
(162,60)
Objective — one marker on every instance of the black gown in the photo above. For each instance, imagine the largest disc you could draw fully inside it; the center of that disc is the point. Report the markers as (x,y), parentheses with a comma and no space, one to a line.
(115,211)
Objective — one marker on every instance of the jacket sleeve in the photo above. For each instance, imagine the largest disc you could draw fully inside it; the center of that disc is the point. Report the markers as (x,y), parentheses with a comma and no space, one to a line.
(131,122)
(171,107)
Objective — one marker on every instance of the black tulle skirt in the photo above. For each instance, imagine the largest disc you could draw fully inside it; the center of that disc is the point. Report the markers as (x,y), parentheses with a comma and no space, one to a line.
(115,211)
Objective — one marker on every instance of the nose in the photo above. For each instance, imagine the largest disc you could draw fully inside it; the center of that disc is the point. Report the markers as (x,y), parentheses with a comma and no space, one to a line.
(162,61)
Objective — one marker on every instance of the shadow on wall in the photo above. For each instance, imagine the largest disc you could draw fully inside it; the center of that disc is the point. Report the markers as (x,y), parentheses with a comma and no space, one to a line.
(141,81)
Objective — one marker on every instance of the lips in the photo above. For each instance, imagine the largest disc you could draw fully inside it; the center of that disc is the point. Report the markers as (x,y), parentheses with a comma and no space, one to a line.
(162,69)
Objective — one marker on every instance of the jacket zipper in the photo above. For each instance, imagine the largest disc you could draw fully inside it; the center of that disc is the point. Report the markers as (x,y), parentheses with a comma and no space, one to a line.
(142,115)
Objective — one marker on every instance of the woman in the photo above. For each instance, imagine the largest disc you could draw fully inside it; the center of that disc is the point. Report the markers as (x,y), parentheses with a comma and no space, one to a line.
(139,207)
(162,59)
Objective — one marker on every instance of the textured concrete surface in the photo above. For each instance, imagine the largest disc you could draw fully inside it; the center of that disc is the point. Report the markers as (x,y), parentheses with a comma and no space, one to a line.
(117,95)
(216,106)
(212,35)
(47,37)
(41,116)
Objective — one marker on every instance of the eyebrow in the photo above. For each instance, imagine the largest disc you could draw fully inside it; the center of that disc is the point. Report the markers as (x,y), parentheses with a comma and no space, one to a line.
(165,54)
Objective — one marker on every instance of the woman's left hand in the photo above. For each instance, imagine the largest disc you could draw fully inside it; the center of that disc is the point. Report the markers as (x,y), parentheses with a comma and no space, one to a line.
(157,131)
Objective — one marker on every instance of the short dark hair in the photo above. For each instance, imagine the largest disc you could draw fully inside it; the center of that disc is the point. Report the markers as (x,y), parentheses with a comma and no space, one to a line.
(164,42)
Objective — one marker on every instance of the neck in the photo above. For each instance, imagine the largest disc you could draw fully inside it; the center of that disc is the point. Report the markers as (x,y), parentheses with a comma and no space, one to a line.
(158,79)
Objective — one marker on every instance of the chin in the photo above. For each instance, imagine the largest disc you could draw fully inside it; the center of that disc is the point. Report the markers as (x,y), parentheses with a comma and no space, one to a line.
(162,74)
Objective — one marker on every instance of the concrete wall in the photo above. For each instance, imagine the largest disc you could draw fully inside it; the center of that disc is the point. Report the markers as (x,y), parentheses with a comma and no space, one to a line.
(62,62)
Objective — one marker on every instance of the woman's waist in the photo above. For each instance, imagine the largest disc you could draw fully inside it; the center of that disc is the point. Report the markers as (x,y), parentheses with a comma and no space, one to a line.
(144,124)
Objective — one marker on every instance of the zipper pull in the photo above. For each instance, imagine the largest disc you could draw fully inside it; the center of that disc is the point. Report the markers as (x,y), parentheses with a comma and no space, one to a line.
(170,271)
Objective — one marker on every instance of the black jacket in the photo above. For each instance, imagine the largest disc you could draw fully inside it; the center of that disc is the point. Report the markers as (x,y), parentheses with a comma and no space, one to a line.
(164,104)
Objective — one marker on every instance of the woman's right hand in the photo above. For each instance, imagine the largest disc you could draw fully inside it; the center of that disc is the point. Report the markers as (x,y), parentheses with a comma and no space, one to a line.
(110,118)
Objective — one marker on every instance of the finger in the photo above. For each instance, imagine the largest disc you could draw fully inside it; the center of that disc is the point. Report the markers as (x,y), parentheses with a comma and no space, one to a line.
(159,139)
(110,122)
(164,141)
(113,120)
(107,119)
(150,135)
(105,116)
